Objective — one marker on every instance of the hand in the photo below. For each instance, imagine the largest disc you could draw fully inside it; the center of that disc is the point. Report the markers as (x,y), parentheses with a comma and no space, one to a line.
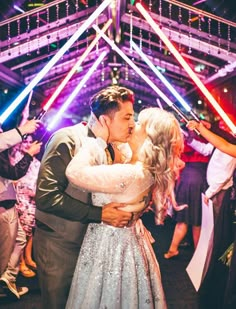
(99,127)
(193,125)
(139,227)
(29,127)
(34,148)
(206,124)
(206,199)
(179,165)
(113,216)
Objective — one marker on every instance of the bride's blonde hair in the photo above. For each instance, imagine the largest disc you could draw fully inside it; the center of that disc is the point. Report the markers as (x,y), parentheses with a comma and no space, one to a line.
(160,153)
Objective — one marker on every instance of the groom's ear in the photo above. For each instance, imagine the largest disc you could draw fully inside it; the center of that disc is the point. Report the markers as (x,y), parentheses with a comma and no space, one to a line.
(105,118)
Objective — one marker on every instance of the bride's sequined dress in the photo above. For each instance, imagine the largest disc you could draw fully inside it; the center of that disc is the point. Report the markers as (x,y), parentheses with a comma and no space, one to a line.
(116,268)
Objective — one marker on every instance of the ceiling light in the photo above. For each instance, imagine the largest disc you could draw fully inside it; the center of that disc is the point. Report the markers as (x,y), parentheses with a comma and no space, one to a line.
(199,68)
(17,8)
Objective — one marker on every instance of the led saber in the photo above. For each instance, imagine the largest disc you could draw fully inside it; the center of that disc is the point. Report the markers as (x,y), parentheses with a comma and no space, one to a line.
(159,103)
(30,97)
(164,80)
(76,90)
(136,69)
(74,68)
(54,59)
(187,68)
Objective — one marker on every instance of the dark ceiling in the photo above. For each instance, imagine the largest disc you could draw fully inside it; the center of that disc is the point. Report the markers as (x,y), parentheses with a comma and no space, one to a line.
(30,38)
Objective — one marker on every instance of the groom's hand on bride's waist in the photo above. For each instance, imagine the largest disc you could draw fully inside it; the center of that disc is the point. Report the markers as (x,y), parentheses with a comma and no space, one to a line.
(112,215)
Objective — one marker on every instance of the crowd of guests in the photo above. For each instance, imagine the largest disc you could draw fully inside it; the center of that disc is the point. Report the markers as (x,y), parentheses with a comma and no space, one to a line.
(13,235)
(52,206)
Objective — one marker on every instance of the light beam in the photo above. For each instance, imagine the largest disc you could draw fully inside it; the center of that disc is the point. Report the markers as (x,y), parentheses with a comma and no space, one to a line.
(187,68)
(164,80)
(54,59)
(76,91)
(75,67)
(141,74)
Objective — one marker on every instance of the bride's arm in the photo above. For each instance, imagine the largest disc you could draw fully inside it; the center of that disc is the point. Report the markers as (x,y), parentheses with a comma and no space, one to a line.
(100,178)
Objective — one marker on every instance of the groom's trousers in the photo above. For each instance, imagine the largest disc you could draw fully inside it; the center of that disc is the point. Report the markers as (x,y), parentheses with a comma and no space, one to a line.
(55,279)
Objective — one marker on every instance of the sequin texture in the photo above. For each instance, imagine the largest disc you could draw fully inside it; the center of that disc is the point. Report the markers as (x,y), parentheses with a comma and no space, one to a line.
(116,269)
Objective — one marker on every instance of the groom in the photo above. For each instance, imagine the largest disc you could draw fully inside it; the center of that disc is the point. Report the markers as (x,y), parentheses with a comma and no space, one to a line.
(63,212)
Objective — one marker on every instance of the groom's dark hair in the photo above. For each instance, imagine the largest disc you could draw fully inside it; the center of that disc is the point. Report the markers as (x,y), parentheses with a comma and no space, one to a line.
(109,99)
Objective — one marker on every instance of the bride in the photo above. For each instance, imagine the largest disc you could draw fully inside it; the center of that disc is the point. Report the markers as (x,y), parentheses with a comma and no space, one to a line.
(117,267)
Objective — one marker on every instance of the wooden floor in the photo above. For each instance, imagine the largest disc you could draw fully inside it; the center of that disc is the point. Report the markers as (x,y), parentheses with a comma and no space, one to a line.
(179,290)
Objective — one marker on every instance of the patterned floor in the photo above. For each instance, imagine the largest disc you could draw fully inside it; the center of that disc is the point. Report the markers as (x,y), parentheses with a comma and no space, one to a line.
(180,293)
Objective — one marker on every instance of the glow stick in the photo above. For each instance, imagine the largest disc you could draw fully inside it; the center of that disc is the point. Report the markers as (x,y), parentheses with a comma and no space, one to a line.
(75,67)
(141,74)
(136,69)
(30,97)
(187,68)
(76,90)
(54,59)
(164,80)
(159,103)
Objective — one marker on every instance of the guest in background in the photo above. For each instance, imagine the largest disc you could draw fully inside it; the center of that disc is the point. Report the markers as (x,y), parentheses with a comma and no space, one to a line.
(216,140)
(230,286)
(220,168)
(25,194)
(15,136)
(12,238)
(218,281)
(189,187)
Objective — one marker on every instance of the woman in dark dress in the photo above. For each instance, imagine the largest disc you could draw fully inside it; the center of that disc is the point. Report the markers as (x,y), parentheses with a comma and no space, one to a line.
(190,185)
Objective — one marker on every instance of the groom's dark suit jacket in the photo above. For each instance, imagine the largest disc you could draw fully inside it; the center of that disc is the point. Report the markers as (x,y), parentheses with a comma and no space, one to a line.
(60,207)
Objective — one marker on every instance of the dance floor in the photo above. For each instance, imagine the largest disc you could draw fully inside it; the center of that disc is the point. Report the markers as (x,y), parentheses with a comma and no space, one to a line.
(180,293)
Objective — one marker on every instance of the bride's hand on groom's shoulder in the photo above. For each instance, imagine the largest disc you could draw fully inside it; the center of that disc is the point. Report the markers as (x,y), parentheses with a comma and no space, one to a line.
(99,126)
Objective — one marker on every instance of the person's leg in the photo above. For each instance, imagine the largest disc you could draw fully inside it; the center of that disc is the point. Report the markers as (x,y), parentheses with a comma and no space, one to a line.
(8,277)
(24,269)
(8,231)
(196,234)
(14,261)
(56,260)
(28,253)
(179,233)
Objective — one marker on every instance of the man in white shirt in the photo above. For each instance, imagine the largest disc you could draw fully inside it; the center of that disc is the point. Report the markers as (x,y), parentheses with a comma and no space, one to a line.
(219,173)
